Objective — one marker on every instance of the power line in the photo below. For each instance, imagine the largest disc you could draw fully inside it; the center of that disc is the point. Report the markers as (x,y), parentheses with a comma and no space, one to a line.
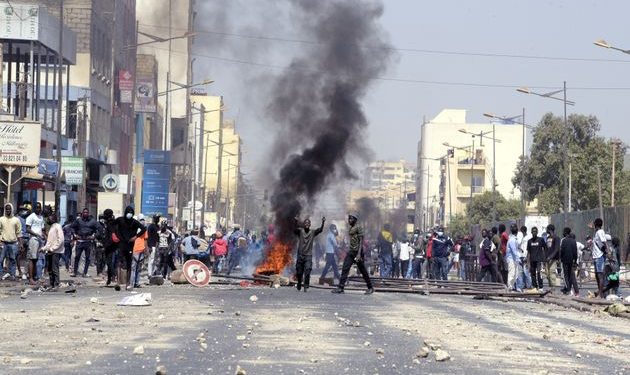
(414,50)
(402,80)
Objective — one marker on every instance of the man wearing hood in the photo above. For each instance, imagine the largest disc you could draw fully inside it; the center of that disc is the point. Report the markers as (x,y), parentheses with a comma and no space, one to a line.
(127,230)
(108,243)
(10,232)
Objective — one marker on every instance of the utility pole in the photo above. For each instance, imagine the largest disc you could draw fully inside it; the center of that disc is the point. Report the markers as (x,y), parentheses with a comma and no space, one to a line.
(523,208)
(566,149)
(599,193)
(494,172)
(217,197)
(472,171)
(1,76)
(81,134)
(614,144)
(59,107)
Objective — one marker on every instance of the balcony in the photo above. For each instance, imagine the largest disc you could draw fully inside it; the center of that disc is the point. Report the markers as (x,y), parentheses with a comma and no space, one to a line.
(464,191)
(477,163)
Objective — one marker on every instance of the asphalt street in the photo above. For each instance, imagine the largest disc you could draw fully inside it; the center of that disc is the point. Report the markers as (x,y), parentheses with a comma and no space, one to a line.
(215,329)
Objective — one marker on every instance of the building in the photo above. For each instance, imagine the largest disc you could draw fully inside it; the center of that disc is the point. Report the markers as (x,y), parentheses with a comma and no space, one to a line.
(454,164)
(219,159)
(390,180)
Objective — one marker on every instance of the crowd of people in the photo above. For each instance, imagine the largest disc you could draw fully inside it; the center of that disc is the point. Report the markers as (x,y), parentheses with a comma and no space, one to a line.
(121,250)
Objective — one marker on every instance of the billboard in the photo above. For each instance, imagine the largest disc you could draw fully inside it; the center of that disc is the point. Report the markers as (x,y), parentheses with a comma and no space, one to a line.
(156,177)
(125,85)
(145,94)
(73,168)
(20,143)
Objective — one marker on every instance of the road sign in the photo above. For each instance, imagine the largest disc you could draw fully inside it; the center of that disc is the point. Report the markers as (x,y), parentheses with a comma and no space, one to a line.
(110,182)
(196,273)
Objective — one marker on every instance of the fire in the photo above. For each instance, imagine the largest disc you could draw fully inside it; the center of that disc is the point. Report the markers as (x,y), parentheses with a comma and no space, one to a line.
(276,259)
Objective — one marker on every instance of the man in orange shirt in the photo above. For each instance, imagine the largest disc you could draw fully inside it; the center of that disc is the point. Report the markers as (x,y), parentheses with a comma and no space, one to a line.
(139,252)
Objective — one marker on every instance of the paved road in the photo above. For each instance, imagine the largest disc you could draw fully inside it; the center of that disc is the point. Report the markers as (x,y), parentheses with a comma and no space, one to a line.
(288,332)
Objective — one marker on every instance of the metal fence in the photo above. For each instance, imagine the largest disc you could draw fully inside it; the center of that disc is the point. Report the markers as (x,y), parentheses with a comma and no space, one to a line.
(616,223)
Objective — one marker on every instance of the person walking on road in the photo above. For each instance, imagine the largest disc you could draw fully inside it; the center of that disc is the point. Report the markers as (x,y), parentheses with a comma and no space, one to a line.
(304,263)
(355,255)
(487,257)
(442,245)
(385,243)
(512,258)
(599,254)
(35,229)
(331,248)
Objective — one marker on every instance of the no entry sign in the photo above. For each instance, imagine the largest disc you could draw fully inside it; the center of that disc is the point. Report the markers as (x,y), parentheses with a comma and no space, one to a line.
(196,273)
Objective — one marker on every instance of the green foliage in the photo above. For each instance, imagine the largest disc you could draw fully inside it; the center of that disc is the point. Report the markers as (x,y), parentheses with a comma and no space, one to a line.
(542,175)
(459,226)
(480,210)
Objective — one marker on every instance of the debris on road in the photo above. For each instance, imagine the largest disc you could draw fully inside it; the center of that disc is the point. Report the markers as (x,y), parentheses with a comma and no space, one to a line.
(423,352)
(442,355)
(240,371)
(160,370)
(141,299)
(253,298)
(138,350)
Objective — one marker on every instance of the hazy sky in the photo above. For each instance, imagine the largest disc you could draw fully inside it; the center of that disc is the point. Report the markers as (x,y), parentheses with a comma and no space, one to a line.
(395,109)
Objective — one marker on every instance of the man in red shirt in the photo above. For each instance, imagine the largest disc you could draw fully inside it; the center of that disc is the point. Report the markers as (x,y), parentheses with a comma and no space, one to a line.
(503,248)
(431,235)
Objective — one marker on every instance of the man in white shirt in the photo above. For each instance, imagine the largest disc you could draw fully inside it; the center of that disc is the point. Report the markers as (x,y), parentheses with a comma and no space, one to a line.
(524,279)
(599,253)
(35,228)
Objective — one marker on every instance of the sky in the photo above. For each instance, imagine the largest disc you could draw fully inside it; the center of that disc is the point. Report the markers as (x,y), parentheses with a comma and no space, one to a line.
(435,41)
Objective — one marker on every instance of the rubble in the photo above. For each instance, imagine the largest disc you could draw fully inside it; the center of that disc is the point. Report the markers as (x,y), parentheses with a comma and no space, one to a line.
(423,352)
(160,370)
(442,355)
(380,351)
(253,298)
(138,350)
(240,371)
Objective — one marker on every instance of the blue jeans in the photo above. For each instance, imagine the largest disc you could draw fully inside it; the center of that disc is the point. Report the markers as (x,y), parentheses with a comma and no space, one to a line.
(80,248)
(386,264)
(67,254)
(416,268)
(440,268)
(136,268)
(331,263)
(523,279)
(9,251)
(41,265)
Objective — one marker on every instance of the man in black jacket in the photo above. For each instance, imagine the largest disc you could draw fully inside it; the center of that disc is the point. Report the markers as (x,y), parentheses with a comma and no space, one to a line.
(84,229)
(109,245)
(152,242)
(569,257)
(536,248)
(127,230)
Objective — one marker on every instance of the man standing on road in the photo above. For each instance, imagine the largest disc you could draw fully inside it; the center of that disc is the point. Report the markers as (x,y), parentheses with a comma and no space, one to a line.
(553,246)
(523,279)
(512,258)
(442,245)
(331,249)
(10,232)
(35,228)
(127,230)
(304,263)
(487,257)
(599,254)
(536,248)
(152,242)
(84,228)
(355,255)
(569,257)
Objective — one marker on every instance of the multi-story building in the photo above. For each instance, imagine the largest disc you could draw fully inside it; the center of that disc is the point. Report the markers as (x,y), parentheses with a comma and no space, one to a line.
(455,163)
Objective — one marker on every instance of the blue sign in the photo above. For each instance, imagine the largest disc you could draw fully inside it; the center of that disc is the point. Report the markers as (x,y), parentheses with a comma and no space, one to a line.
(155,182)
(157,157)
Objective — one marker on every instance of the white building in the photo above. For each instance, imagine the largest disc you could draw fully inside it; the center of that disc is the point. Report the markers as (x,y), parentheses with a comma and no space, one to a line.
(443,181)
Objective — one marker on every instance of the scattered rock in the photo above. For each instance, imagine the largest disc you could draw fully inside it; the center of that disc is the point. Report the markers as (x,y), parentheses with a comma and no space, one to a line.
(93,300)
(578,355)
(160,370)
(507,348)
(25,361)
(252,299)
(203,345)
(616,309)
(238,313)
(423,352)
(442,355)
(88,363)
(239,369)
(380,351)
(529,347)
(138,350)
(367,343)
(240,337)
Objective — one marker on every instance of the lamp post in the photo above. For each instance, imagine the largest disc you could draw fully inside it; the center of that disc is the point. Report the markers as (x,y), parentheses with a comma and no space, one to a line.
(510,120)
(615,144)
(550,95)
(604,44)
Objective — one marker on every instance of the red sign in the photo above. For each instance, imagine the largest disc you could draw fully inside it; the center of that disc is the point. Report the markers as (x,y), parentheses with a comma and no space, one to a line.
(196,273)
(125,80)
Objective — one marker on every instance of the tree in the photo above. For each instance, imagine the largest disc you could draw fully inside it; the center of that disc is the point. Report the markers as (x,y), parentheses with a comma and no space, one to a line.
(542,174)
(479,211)
(459,225)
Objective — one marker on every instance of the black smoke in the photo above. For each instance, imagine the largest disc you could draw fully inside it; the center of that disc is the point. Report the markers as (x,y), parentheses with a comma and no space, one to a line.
(316,102)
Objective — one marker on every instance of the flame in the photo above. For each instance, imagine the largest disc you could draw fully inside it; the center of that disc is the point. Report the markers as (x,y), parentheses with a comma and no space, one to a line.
(277,258)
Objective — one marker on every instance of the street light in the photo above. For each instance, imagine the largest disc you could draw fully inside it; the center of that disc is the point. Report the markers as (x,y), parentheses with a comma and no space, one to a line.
(182,87)
(604,44)
(506,119)
(157,39)
(550,95)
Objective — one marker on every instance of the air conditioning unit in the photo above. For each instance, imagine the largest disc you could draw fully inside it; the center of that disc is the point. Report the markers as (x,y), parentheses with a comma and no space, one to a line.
(112,157)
